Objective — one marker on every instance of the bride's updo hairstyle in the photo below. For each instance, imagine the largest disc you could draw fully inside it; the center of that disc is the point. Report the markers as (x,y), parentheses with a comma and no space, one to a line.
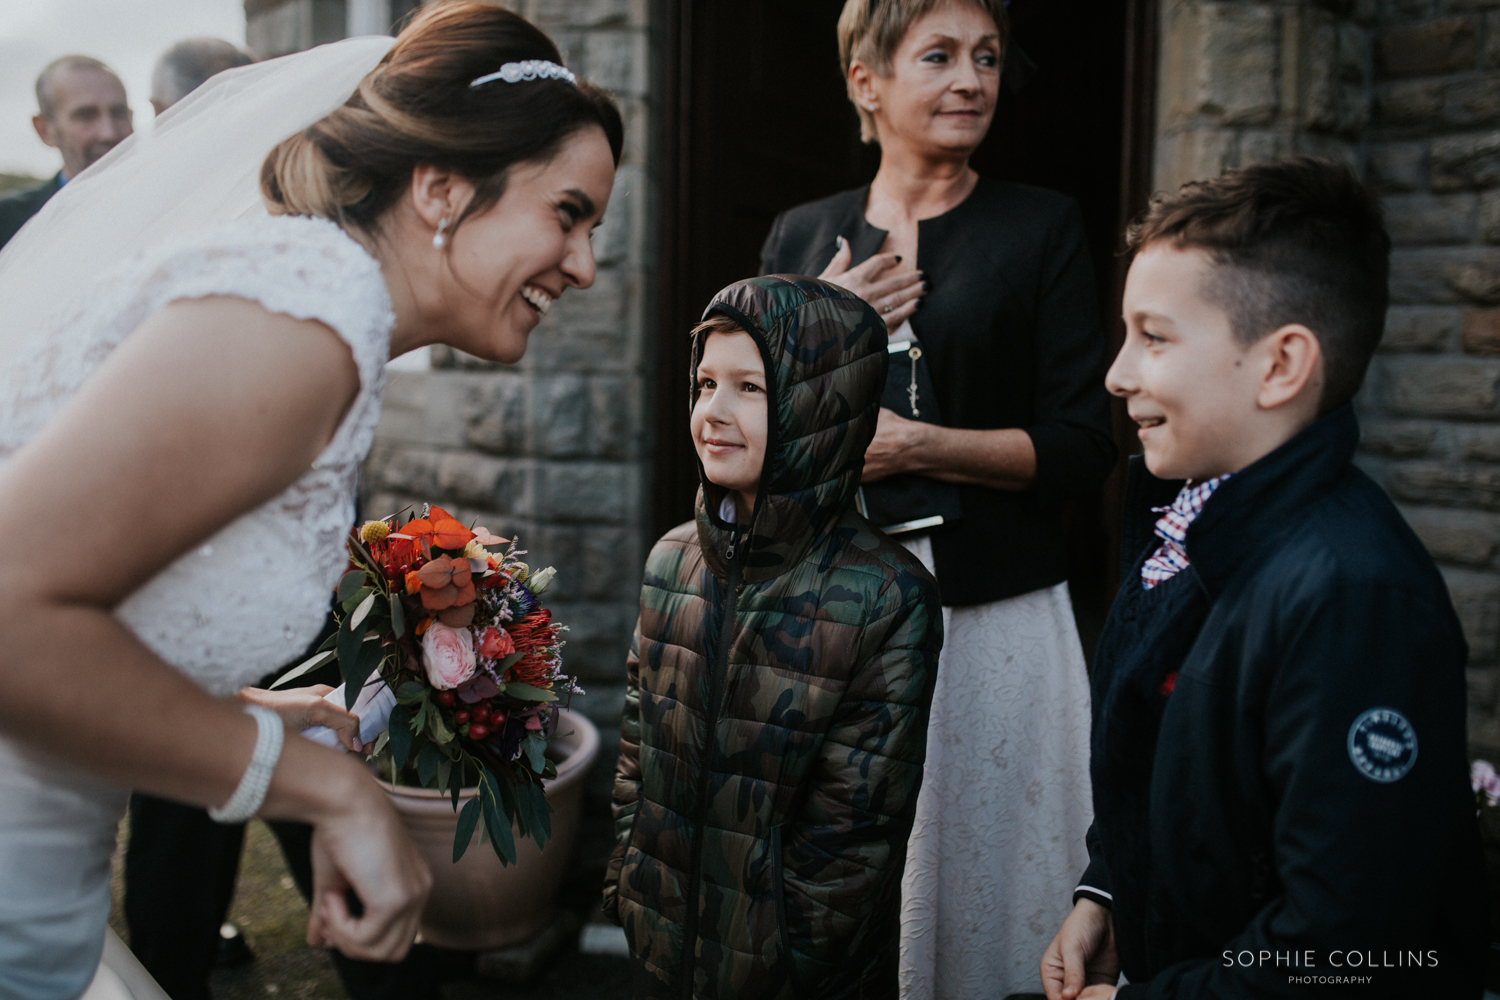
(417,108)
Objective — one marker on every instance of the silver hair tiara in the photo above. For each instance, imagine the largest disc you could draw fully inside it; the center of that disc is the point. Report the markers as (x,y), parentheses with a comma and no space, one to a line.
(531,69)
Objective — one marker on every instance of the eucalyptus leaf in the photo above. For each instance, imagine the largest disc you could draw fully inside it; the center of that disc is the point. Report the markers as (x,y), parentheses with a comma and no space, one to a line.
(527,692)
(349,583)
(400,733)
(357,598)
(349,643)
(536,752)
(500,834)
(306,666)
(328,643)
(456,779)
(398,616)
(467,820)
(511,659)
(363,609)
(409,693)
(381,742)
(444,771)
(427,764)
(369,658)
(541,820)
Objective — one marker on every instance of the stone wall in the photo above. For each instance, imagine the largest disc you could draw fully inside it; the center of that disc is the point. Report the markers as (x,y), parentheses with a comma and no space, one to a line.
(553,450)
(1408,91)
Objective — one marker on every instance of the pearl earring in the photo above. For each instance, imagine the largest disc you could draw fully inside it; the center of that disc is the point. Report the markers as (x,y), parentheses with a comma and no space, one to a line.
(438,240)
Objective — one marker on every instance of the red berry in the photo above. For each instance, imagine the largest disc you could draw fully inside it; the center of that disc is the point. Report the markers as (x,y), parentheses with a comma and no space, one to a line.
(461,716)
(478,731)
(446,699)
(480,712)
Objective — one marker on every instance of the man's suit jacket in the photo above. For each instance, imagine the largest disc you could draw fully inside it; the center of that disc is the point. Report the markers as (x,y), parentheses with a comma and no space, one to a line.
(18,206)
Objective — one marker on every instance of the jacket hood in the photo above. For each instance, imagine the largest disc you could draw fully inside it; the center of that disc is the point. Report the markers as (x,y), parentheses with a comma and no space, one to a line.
(824,351)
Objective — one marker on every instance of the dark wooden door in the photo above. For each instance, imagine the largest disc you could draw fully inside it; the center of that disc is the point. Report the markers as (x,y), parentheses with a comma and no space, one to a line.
(755,120)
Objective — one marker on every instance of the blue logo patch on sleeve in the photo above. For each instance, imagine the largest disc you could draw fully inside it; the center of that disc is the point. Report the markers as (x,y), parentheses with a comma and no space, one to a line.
(1382,745)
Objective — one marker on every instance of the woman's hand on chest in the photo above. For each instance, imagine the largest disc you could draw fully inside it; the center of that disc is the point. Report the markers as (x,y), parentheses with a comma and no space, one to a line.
(887,281)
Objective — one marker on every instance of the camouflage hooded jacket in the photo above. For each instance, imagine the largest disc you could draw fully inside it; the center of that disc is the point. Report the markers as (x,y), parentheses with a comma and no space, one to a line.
(779,686)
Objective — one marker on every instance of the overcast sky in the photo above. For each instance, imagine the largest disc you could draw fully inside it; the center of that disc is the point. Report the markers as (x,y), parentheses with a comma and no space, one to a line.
(126,34)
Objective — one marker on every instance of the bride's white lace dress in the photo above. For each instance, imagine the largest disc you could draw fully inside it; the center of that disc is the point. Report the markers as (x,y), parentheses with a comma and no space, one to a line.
(244,602)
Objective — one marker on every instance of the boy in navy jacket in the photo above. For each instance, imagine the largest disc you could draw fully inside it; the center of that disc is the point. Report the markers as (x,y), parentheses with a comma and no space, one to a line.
(1279,766)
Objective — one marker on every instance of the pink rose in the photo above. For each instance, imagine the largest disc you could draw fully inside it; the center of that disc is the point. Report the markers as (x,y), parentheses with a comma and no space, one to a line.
(448,654)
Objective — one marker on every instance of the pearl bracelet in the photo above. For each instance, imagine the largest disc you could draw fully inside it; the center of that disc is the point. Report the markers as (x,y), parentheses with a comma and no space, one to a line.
(247,798)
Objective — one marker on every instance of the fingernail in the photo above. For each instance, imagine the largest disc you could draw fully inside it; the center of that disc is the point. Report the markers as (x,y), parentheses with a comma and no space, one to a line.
(926,286)
(898,258)
(840,242)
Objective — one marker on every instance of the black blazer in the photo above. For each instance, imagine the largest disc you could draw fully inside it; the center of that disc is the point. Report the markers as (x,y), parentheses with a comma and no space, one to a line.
(19,206)
(1279,761)
(1011,332)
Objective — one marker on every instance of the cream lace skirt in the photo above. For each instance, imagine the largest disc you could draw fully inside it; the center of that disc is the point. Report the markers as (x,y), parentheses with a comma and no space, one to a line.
(998,844)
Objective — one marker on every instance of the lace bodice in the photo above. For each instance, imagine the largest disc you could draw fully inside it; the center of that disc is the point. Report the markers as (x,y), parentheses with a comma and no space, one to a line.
(254,595)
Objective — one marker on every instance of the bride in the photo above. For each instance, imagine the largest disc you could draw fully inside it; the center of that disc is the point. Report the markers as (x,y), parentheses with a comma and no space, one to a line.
(179,443)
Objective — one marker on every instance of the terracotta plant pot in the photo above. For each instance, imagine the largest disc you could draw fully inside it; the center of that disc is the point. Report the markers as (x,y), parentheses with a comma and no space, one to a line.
(478,904)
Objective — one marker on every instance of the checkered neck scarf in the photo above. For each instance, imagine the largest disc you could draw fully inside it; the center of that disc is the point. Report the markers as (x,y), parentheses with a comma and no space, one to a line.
(1171,557)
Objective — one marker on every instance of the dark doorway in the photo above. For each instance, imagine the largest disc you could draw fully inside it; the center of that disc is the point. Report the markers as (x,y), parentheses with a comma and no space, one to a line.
(755,120)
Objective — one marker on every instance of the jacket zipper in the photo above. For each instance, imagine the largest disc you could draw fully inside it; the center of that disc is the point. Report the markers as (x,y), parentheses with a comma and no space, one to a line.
(716,670)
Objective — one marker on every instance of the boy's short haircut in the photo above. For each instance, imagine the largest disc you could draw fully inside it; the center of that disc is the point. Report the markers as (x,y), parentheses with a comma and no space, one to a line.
(717,323)
(1296,241)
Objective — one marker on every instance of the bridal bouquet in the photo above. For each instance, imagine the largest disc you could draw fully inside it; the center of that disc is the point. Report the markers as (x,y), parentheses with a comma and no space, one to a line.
(447,619)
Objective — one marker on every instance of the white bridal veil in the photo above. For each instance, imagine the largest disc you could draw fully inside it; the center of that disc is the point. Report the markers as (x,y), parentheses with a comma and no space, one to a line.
(199,165)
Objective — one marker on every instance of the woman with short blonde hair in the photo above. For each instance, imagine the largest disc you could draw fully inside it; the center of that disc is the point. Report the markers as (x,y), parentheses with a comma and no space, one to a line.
(995,411)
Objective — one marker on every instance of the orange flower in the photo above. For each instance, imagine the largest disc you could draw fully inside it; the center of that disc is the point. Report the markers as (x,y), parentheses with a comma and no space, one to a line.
(423,626)
(495,643)
(413,582)
(446,583)
(438,529)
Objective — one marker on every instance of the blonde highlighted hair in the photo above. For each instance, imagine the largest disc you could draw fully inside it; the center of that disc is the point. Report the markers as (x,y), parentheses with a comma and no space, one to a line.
(871,30)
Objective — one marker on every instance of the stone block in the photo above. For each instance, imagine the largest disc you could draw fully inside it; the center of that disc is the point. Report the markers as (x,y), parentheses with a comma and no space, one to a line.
(1451,484)
(1491,55)
(494,411)
(1481,331)
(1449,45)
(1396,438)
(1430,220)
(1395,11)
(1192,156)
(1489,217)
(1459,162)
(617,60)
(1220,62)
(598,638)
(1460,537)
(1441,387)
(1414,103)
(559,416)
(1398,166)
(588,492)
(1471,103)
(614,422)
(1332,75)
(1467,5)
(1476,443)
(553,14)
(1484,685)
(1446,275)
(620,236)
(1476,598)
(1420,328)
(278,29)
(612,563)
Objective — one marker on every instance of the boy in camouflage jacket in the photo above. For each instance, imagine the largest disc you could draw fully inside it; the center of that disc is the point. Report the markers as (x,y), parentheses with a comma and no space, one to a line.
(779,684)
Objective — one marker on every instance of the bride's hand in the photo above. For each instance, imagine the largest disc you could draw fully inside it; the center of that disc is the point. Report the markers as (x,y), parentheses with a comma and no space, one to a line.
(365,848)
(302,707)
(892,290)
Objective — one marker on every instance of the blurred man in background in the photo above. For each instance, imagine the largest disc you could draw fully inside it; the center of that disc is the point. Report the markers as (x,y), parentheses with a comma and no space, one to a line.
(81,112)
(183,68)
